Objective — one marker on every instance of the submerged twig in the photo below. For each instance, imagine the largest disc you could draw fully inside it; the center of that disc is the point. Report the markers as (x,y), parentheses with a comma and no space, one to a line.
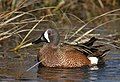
(34,65)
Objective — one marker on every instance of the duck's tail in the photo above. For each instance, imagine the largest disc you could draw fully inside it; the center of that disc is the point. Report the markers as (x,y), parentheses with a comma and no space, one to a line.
(104,53)
(90,42)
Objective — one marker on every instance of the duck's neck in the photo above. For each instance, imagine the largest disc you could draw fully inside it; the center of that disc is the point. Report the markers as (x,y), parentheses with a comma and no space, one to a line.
(55,39)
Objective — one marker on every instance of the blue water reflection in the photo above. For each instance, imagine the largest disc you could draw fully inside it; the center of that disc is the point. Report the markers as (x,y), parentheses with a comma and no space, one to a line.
(108,73)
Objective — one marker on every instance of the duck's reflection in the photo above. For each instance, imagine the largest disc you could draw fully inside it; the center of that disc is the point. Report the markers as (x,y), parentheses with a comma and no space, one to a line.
(68,75)
(62,74)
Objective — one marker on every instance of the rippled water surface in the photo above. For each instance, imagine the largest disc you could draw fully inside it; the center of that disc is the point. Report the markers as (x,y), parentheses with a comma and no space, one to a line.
(15,70)
(13,67)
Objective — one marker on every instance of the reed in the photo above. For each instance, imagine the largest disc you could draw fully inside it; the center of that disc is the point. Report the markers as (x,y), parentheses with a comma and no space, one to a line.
(16,15)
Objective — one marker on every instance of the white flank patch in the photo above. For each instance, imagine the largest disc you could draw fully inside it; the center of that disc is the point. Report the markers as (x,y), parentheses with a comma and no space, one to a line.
(46,36)
(93,60)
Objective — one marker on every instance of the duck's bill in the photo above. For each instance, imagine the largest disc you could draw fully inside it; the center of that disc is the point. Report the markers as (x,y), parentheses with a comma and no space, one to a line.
(40,39)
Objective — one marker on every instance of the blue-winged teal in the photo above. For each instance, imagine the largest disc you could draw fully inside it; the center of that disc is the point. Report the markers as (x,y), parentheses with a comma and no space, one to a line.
(66,56)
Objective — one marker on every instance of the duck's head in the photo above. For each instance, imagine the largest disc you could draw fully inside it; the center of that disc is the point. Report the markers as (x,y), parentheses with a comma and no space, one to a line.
(48,36)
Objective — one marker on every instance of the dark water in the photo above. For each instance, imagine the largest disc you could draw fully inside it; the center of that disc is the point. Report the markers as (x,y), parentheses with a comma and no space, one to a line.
(13,68)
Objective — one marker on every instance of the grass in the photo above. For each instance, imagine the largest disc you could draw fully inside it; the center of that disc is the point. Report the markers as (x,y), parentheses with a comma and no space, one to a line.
(22,13)
(24,17)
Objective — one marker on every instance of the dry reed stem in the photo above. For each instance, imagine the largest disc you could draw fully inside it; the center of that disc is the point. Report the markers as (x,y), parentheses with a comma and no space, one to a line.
(11,19)
(93,30)
(79,20)
(101,4)
(93,20)
(28,35)
(23,41)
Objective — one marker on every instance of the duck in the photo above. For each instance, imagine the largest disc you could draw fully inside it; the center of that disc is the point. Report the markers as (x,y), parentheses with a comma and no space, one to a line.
(65,55)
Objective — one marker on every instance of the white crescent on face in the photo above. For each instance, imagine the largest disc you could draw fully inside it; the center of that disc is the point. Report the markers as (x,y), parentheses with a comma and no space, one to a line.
(46,36)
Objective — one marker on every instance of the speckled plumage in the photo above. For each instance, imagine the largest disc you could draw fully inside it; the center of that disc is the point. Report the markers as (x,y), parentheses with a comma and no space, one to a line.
(63,56)
(66,56)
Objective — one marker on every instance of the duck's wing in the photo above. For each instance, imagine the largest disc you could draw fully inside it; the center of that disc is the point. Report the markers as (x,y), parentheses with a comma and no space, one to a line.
(103,53)
(92,50)
(90,42)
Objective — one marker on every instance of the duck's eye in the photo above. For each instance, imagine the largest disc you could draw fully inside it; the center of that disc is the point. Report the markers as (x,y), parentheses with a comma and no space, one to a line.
(49,33)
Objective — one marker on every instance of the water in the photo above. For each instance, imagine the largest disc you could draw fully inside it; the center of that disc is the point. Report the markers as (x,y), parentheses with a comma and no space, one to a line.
(13,68)
(108,73)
